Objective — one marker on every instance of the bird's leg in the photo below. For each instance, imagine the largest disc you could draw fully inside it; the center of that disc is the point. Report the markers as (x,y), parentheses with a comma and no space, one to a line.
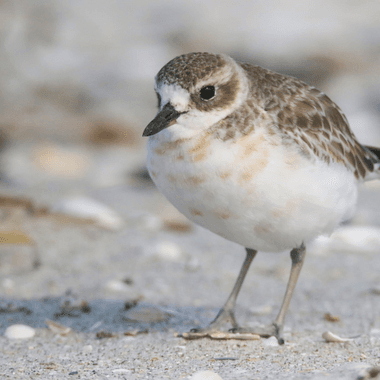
(226,313)
(298,256)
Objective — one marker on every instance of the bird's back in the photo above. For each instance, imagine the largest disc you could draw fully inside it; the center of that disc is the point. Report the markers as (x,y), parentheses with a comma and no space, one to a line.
(308,117)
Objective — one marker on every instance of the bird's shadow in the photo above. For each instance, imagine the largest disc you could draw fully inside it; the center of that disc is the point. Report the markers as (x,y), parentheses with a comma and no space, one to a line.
(99,315)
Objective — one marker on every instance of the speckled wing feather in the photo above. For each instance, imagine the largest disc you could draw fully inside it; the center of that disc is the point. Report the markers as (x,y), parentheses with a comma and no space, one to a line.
(308,117)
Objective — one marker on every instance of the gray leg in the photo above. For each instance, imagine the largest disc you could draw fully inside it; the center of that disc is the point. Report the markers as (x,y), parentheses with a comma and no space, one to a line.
(275,329)
(298,257)
(226,313)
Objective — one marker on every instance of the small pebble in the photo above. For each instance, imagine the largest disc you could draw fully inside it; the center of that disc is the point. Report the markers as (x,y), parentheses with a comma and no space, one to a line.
(8,283)
(331,318)
(87,348)
(206,375)
(19,332)
(105,334)
(165,250)
(271,342)
(135,332)
(117,286)
(375,332)
(151,222)
(121,370)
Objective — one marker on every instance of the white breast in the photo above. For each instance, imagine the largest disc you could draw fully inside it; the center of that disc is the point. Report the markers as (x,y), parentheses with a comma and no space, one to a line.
(258,194)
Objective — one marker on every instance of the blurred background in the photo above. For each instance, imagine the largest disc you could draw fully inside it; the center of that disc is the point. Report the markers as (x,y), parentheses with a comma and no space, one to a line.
(76,91)
(77,76)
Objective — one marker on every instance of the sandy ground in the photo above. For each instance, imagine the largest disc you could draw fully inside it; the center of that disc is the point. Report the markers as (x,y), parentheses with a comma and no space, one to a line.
(125,292)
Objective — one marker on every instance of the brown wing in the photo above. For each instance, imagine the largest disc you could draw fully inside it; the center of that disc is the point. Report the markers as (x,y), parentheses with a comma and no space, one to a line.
(307,116)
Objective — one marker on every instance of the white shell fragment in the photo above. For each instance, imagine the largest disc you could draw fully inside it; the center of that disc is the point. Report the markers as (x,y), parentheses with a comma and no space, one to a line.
(165,250)
(328,336)
(117,286)
(357,237)
(349,239)
(19,332)
(169,251)
(375,332)
(87,348)
(121,370)
(271,342)
(206,375)
(57,328)
(86,208)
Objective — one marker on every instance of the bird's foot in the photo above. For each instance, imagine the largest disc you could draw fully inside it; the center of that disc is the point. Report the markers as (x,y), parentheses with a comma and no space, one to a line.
(239,333)
(226,315)
(214,329)
(265,332)
(217,334)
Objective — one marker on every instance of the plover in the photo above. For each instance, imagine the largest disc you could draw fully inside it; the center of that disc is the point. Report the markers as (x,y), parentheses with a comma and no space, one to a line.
(259,158)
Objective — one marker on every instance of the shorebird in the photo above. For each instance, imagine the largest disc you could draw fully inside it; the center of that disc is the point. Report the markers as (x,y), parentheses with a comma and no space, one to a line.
(259,158)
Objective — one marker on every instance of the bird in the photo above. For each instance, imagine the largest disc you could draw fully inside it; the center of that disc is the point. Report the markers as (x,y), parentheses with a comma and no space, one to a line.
(259,158)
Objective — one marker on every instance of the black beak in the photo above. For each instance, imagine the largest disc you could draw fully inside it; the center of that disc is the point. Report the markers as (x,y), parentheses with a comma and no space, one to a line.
(162,120)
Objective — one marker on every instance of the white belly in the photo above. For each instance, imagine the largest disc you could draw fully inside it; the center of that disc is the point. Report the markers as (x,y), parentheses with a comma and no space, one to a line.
(262,196)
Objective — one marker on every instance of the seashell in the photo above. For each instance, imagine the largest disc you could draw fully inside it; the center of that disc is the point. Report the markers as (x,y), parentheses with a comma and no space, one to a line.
(57,328)
(19,331)
(328,336)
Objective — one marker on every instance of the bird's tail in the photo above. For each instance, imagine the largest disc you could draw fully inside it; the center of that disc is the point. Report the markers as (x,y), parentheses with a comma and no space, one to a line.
(375,158)
(375,151)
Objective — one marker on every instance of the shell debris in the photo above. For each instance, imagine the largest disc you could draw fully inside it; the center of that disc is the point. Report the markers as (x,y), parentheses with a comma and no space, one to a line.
(87,208)
(205,375)
(331,318)
(58,328)
(19,331)
(328,336)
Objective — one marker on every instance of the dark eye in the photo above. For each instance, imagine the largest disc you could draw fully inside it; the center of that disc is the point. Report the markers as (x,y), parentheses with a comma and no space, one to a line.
(158,100)
(207,92)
